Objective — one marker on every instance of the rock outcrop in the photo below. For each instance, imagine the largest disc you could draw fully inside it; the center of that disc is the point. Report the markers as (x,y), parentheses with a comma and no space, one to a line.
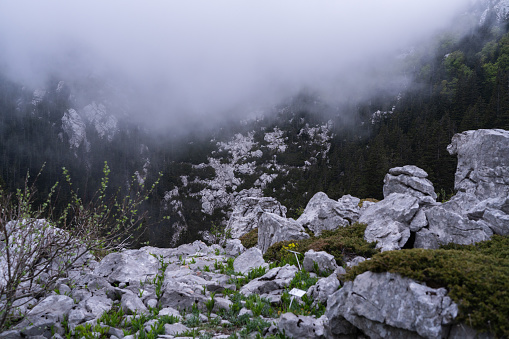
(386,305)
(323,213)
(273,228)
(246,214)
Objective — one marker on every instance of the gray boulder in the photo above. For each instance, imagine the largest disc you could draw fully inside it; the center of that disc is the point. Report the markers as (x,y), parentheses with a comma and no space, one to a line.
(95,306)
(247,212)
(127,267)
(386,305)
(483,162)
(389,221)
(273,228)
(324,260)
(409,180)
(300,326)
(323,213)
(233,247)
(323,289)
(131,304)
(252,258)
(181,298)
(275,279)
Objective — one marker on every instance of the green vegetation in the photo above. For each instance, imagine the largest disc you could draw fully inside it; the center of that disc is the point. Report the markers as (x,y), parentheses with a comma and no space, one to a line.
(343,243)
(250,239)
(476,276)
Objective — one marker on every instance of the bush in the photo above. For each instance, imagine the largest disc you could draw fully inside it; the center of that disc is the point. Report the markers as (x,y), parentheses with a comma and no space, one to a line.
(38,246)
(343,243)
(250,239)
(477,277)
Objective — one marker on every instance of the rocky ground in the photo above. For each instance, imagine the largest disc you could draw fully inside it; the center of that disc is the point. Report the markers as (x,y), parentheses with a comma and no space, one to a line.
(228,291)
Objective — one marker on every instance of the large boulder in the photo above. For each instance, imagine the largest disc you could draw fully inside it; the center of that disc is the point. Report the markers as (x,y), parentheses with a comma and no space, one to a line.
(409,180)
(247,212)
(324,261)
(483,162)
(389,221)
(250,259)
(323,213)
(127,267)
(273,228)
(386,305)
(301,326)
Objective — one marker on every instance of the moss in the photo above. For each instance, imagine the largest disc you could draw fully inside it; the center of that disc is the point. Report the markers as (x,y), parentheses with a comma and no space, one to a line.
(250,239)
(478,282)
(343,243)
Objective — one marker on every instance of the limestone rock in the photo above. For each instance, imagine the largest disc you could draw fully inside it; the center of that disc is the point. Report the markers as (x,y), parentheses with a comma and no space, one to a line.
(300,326)
(324,288)
(248,211)
(127,266)
(404,308)
(324,260)
(410,180)
(273,228)
(388,221)
(483,162)
(323,213)
(252,258)
(275,279)
(233,247)
(131,304)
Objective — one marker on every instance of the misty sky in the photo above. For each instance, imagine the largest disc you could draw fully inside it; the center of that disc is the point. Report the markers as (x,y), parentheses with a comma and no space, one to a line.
(198,58)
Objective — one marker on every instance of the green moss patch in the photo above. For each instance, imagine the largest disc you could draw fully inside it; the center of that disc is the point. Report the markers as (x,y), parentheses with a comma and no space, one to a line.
(476,278)
(343,243)
(250,239)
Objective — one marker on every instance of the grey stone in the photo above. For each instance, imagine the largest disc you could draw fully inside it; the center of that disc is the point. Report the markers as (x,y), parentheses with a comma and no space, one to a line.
(483,164)
(181,298)
(172,329)
(425,239)
(324,260)
(404,308)
(233,247)
(451,227)
(301,326)
(388,221)
(221,304)
(324,288)
(410,180)
(11,334)
(409,170)
(419,221)
(252,258)
(273,228)
(244,310)
(128,266)
(275,279)
(169,311)
(355,261)
(96,305)
(323,213)
(247,212)
(131,304)
(53,308)
(79,315)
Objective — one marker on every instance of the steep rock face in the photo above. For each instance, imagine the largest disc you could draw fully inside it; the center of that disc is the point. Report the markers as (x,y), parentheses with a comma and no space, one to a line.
(386,305)
(483,162)
(273,228)
(480,208)
(323,213)
(247,213)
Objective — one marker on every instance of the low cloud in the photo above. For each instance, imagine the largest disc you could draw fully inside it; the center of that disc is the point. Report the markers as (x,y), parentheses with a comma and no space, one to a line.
(199,59)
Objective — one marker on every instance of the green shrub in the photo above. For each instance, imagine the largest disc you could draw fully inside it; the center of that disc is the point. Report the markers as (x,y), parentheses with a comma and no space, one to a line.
(478,282)
(343,243)
(250,239)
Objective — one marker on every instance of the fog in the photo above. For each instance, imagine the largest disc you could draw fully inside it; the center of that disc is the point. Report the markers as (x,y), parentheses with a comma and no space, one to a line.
(193,60)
